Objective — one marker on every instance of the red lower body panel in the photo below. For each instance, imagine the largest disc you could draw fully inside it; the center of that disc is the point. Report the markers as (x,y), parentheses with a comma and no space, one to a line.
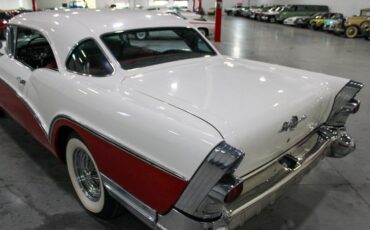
(155,187)
(20,112)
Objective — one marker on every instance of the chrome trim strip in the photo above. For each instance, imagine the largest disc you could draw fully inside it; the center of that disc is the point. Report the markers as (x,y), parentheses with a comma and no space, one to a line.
(27,106)
(113,142)
(135,206)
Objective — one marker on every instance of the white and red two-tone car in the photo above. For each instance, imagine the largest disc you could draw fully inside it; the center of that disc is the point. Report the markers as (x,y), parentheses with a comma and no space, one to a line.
(180,135)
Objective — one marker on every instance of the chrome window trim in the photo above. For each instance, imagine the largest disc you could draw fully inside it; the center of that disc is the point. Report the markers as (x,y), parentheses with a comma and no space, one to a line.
(100,48)
(115,143)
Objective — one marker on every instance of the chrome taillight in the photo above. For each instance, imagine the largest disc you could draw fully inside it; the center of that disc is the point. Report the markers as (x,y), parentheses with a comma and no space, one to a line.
(213,184)
(345,104)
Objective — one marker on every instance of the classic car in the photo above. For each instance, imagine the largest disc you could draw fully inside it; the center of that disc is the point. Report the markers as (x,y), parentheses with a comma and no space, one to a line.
(232,10)
(300,10)
(317,21)
(367,33)
(354,26)
(246,11)
(296,21)
(180,135)
(271,14)
(331,24)
(206,27)
(258,14)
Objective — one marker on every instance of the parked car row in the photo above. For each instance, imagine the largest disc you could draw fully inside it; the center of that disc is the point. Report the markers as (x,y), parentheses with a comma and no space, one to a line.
(316,17)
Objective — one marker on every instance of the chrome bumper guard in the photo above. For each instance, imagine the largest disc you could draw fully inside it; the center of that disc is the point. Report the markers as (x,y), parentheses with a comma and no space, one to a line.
(261,187)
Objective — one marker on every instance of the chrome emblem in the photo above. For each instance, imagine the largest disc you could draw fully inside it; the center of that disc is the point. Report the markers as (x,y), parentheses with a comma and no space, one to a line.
(292,124)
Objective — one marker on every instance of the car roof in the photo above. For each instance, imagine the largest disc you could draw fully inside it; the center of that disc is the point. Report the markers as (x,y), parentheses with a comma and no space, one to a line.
(65,28)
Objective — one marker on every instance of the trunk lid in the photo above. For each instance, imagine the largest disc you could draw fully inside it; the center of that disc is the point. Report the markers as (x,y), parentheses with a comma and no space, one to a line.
(246,101)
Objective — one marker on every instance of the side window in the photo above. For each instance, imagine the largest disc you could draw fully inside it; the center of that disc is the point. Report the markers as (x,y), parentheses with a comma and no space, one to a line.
(87,58)
(33,50)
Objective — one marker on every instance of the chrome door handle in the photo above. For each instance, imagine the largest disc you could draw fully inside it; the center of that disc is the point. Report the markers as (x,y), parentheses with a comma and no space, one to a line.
(21,81)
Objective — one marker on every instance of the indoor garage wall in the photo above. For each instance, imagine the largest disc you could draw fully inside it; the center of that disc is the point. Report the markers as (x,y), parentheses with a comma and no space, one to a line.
(15,4)
(44,4)
(347,7)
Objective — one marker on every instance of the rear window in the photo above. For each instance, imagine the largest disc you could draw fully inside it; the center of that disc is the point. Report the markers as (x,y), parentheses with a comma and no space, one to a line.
(141,48)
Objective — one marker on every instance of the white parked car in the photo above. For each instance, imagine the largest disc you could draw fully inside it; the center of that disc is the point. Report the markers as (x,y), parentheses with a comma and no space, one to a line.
(180,135)
(206,27)
(291,21)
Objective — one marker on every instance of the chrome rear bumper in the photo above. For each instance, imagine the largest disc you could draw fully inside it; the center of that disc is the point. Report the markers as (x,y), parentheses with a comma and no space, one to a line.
(265,185)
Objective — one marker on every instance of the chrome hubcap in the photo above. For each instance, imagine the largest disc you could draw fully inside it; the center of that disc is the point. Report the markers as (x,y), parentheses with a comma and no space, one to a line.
(86,174)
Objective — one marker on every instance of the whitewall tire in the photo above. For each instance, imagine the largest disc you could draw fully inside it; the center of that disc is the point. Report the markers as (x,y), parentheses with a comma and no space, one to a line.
(86,180)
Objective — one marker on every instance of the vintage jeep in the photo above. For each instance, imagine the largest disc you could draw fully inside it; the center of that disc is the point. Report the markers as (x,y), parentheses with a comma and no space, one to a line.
(354,26)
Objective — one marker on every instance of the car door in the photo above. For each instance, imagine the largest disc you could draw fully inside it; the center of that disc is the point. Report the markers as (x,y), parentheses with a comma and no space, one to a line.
(28,52)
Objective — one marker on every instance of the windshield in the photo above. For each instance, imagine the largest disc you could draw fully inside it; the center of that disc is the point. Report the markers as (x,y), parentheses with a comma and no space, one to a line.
(146,47)
(365,13)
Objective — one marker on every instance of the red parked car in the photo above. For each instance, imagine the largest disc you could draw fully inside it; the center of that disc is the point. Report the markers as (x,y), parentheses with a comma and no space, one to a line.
(4,18)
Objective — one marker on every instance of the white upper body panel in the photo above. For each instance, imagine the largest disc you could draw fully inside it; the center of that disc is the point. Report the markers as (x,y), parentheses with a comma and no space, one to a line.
(247,101)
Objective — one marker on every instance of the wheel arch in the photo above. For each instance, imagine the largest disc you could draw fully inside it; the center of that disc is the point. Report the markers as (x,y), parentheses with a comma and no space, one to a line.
(60,137)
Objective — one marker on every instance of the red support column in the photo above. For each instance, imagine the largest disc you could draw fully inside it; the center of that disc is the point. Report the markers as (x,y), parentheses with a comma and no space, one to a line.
(218,21)
(34,5)
(200,7)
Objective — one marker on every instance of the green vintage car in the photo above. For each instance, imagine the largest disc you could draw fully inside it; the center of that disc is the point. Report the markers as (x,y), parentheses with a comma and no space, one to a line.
(300,10)
(354,26)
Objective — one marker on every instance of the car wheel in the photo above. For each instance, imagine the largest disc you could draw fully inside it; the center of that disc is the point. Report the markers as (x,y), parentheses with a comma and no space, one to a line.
(272,19)
(228,13)
(141,35)
(87,182)
(203,31)
(351,31)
